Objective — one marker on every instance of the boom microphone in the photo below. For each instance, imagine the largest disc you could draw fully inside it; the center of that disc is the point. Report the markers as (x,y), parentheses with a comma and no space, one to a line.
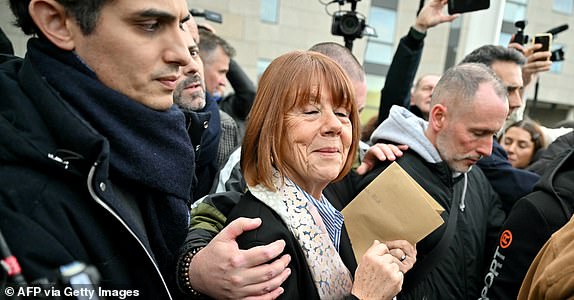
(208,15)
(557,30)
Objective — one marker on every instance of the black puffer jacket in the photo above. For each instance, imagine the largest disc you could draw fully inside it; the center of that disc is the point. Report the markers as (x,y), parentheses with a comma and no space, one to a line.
(58,206)
(530,224)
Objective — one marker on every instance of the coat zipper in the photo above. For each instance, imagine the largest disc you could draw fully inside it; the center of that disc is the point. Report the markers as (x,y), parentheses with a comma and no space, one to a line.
(105,206)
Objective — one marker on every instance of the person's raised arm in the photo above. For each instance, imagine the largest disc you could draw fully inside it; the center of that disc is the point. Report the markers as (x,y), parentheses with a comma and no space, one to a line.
(431,15)
(536,62)
(406,59)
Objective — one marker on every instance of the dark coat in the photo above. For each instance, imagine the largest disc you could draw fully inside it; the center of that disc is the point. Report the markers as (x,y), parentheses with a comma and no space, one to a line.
(456,272)
(562,144)
(299,284)
(401,74)
(204,129)
(509,182)
(5,44)
(238,104)
(53,213)
(530,224)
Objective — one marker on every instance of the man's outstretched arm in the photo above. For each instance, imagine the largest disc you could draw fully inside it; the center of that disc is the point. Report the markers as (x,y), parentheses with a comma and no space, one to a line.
(218,268)
(223,271)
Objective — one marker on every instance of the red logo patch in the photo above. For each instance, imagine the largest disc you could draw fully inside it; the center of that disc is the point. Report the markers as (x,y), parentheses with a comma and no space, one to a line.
(505,239)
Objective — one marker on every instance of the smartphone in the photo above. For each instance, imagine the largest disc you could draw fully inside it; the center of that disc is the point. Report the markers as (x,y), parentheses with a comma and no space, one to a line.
(545,39)
(463,6)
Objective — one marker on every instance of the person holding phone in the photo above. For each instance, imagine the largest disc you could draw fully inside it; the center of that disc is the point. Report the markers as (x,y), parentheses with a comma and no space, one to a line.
(464,6)
(537,62)
(545,39)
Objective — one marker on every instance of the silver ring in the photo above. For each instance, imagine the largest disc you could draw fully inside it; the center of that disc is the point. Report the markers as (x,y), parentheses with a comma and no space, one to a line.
(403,258)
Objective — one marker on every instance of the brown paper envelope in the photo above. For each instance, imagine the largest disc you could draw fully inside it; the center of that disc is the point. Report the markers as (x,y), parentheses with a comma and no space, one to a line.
(392,207)
(430,200)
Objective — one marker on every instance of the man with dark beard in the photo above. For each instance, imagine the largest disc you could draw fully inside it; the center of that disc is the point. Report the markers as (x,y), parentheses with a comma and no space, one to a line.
(201,115)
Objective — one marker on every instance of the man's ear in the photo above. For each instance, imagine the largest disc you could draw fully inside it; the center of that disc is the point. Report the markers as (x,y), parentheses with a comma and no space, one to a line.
(52,20)
(437,117)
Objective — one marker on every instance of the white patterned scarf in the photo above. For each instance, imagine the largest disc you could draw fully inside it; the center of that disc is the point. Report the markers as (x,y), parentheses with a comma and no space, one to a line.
(331,276)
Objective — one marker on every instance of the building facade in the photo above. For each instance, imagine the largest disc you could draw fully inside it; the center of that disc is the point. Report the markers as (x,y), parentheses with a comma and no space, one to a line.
(261,30)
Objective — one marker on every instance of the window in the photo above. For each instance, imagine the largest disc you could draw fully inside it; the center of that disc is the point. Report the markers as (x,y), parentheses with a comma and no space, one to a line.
(269,11)
(380,49)
(453,39)
(557,65)
(374,85)
(515,10)
(262,64)
(504,39)
(563,6)
(379,52)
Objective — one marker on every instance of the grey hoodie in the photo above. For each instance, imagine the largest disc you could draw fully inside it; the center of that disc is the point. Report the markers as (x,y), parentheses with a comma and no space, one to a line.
(404,128)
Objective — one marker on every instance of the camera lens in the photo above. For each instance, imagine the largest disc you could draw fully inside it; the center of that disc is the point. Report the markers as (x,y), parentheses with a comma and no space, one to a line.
(350,24)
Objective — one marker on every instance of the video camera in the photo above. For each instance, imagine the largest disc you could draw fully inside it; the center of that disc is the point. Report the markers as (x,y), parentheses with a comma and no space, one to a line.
(350,24)
(522,38)
(519,37)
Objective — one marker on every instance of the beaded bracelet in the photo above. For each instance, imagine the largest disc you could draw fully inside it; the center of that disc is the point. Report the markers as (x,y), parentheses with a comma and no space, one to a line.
(184,272)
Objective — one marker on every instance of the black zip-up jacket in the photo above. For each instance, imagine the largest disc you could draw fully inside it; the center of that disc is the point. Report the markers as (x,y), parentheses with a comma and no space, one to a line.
(57,204)
(456,273)
(531,222)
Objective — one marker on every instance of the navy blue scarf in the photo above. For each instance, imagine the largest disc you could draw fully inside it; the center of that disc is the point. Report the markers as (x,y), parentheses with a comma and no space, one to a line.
(149,150)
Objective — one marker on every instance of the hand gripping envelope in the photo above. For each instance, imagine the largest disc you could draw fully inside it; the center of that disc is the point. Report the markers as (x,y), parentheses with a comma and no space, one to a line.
(392,207)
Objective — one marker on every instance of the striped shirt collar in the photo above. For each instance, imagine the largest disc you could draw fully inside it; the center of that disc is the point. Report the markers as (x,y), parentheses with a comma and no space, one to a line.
(332,218)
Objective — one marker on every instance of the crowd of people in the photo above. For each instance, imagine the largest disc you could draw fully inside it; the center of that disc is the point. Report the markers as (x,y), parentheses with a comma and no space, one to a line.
(122,152)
